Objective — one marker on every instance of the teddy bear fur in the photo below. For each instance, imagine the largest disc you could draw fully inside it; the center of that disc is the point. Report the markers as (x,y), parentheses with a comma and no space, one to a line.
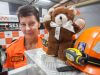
(57,47)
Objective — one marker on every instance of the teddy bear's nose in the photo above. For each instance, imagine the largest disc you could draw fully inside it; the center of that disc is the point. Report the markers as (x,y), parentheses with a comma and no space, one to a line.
(61,17)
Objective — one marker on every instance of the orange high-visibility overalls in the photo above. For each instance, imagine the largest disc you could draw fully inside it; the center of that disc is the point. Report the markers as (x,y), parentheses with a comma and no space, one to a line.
(15,53)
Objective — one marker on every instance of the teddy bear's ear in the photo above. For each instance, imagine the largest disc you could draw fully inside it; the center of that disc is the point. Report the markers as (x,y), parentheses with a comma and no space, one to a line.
(46,18)
(50,11)
(75,11)
(71,7)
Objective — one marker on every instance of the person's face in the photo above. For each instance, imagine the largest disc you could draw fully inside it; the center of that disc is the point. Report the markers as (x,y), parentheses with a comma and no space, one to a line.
(29,25)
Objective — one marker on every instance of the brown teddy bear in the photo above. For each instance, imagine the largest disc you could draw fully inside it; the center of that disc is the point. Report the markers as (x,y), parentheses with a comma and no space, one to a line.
(61,27)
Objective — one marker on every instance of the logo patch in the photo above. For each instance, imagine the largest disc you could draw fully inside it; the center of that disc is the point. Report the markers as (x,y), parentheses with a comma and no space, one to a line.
(81,46)
(17,58)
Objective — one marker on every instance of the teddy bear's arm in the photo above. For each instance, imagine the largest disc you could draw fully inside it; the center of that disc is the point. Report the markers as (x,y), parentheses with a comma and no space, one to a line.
(77,28)
(79,24)
(47,25)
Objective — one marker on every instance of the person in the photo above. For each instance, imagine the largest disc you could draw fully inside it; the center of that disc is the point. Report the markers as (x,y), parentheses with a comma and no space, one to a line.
(29,22)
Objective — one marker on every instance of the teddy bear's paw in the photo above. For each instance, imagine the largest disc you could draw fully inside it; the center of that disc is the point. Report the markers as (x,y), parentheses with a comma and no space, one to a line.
(46,18)
(81,23)
(51,55)
(62,58)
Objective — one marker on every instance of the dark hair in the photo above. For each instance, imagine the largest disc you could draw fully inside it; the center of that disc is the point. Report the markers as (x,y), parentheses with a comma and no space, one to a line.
(28,10)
